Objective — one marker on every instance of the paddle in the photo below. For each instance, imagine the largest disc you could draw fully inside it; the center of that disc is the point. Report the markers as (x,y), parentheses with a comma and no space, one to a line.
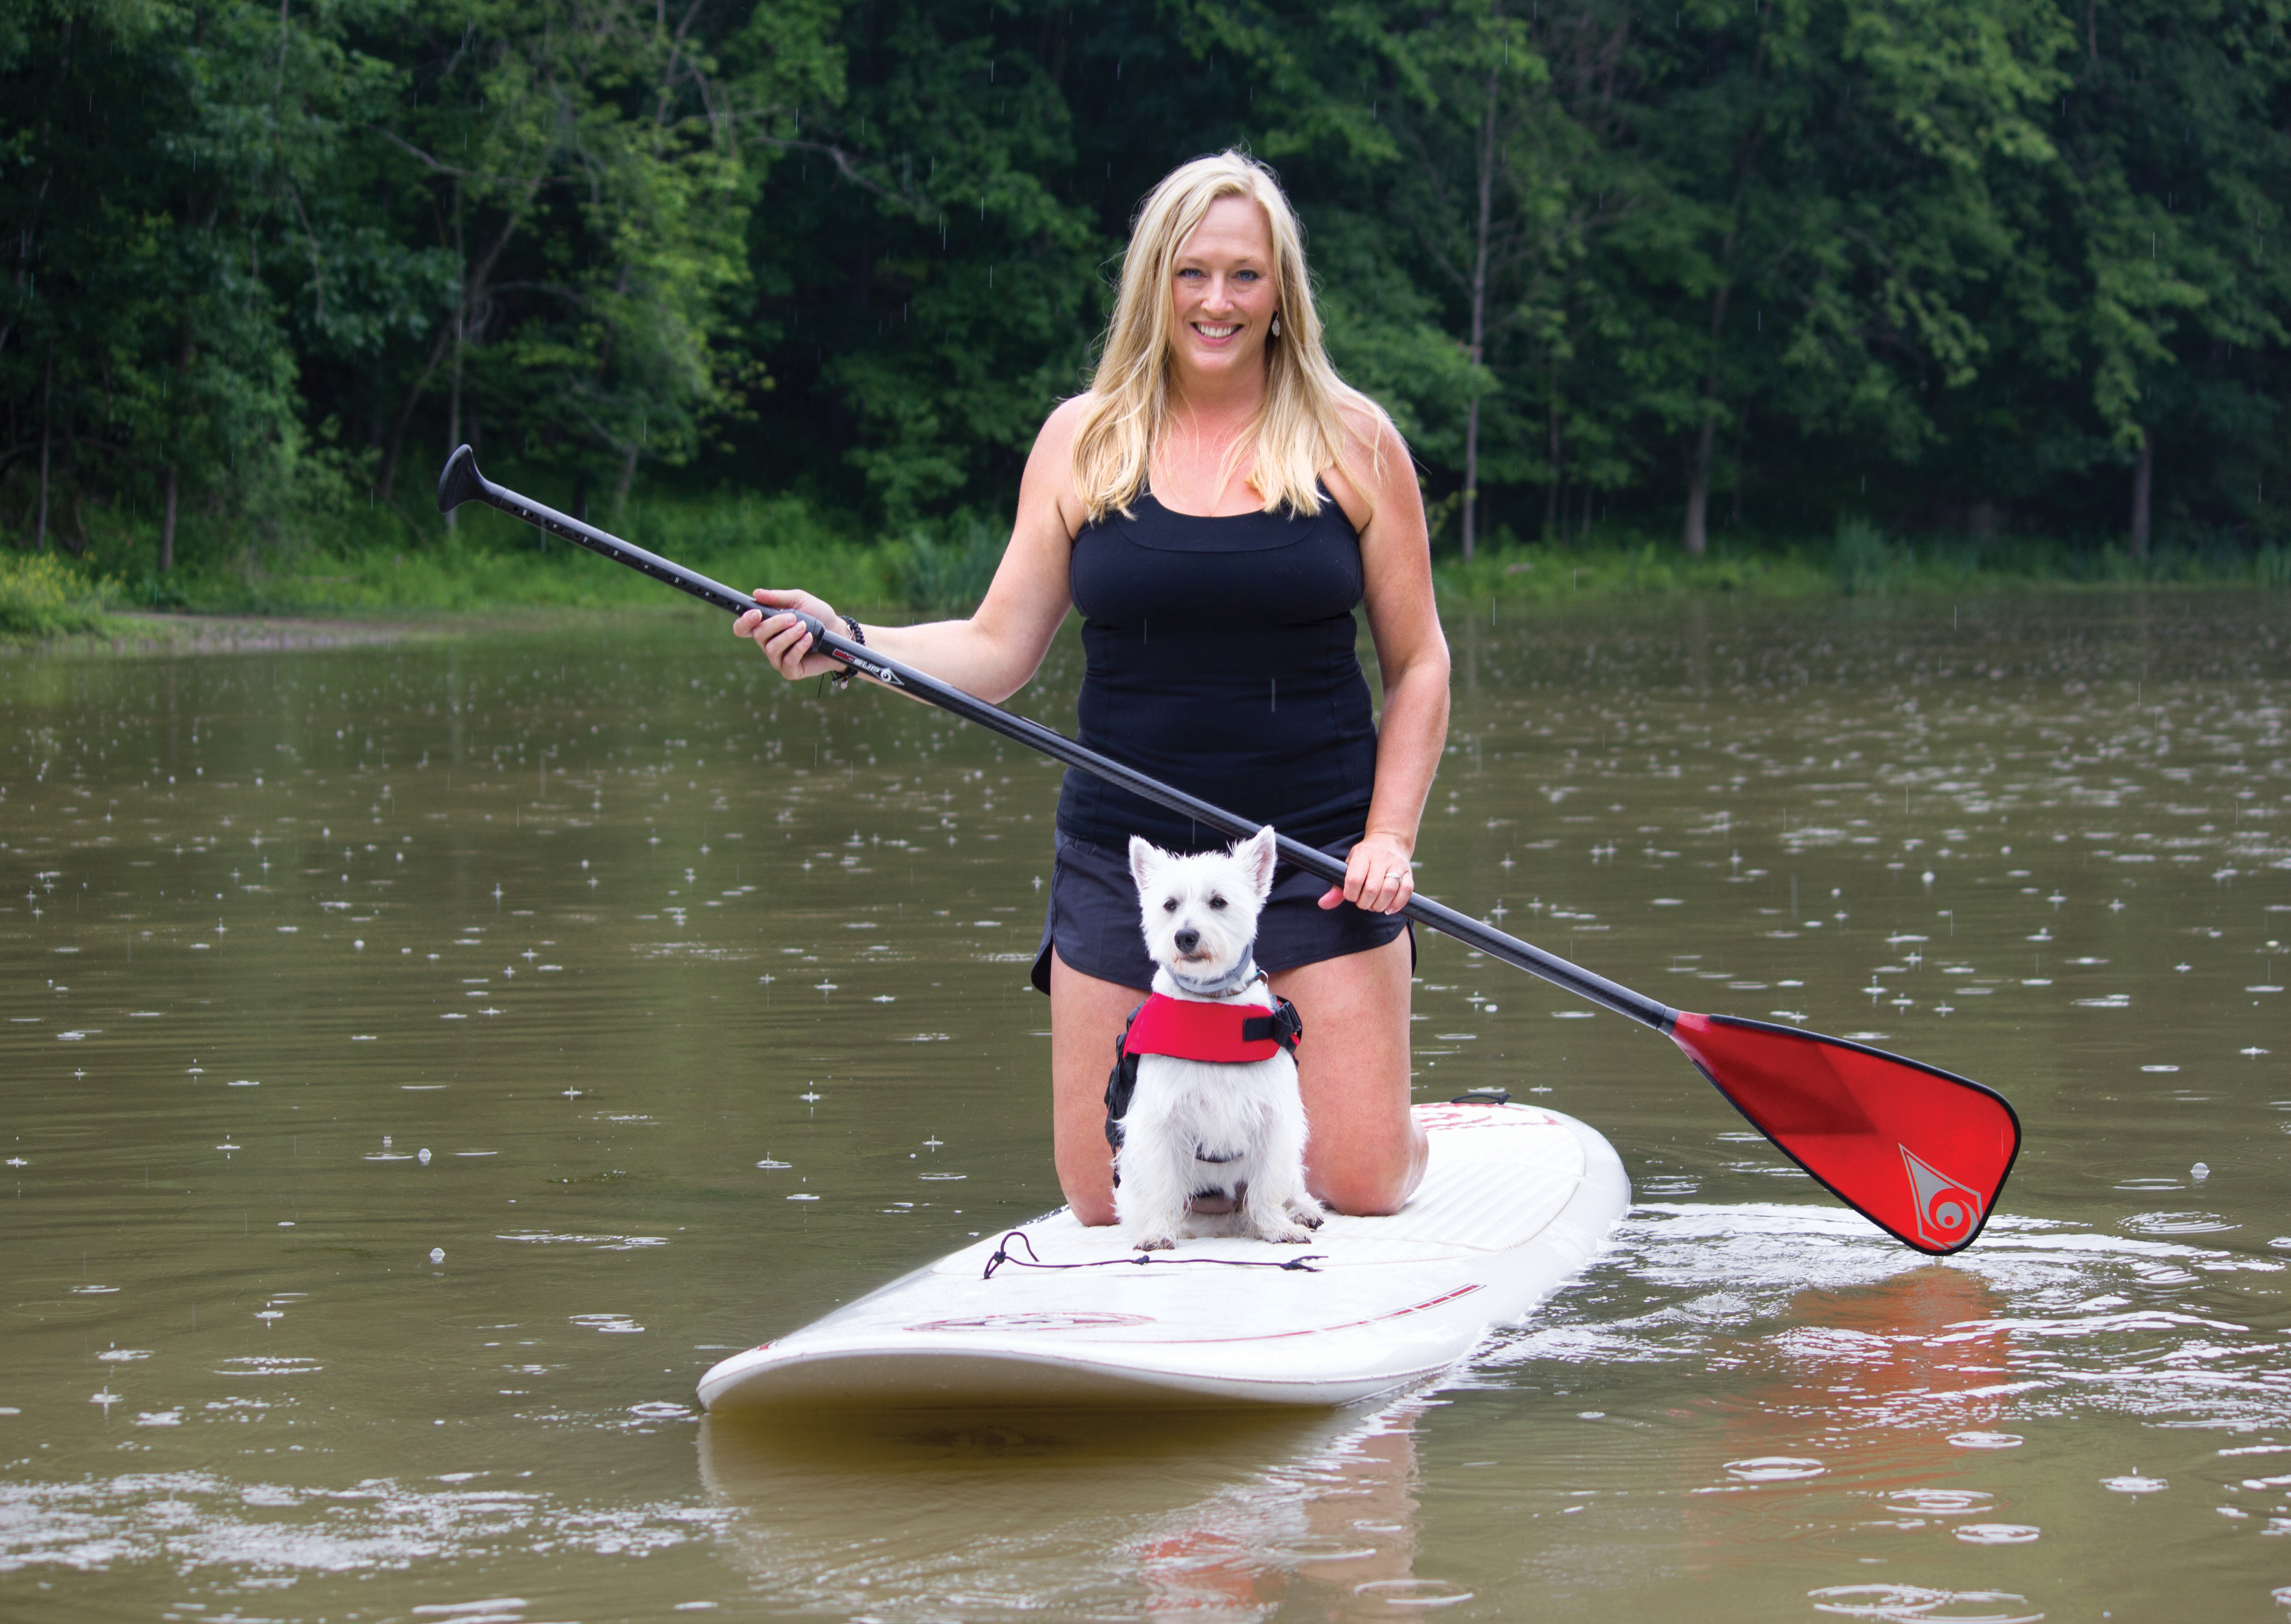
(1920,1152)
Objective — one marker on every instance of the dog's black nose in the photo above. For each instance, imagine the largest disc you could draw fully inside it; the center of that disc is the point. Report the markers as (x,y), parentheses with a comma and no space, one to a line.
(1187,940)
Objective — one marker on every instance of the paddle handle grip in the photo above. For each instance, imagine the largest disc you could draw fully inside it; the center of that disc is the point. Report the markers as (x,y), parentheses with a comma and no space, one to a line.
(461,482)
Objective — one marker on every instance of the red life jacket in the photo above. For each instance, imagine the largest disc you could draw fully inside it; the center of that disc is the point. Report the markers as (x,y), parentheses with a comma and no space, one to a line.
(1190,1030)
(1227,1032)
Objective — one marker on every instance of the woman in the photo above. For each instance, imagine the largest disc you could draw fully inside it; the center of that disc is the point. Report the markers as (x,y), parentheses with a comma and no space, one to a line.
(1216,506)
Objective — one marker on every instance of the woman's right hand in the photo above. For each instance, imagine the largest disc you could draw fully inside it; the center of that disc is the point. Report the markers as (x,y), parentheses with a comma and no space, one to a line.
(782,637)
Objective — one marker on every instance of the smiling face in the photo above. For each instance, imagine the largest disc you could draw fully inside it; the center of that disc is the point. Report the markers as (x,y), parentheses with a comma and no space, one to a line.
(1222,292)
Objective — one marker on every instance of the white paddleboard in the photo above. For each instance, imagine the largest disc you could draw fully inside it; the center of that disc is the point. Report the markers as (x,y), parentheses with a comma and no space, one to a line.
(1515,1200)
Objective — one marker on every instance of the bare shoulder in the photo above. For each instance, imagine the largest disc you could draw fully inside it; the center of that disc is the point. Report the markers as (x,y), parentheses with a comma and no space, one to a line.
(1048,486)
(1374,474)
(1060,427)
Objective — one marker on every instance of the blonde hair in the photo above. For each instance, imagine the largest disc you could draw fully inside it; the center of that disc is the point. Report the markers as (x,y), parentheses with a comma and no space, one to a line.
(1299,430)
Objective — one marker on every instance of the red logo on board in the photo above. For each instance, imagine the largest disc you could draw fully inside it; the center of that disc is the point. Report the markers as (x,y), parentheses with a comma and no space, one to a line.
(1947,1211)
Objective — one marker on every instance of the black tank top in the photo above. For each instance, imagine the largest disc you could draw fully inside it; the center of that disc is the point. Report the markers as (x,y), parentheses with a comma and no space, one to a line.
(1219,660)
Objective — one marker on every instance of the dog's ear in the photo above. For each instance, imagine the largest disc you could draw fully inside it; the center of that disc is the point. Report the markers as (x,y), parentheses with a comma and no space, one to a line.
(1146,860)
(1258,854)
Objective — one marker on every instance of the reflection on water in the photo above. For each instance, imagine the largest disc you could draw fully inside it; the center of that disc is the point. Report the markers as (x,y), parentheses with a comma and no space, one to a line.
(1073,1514)
(420,1063)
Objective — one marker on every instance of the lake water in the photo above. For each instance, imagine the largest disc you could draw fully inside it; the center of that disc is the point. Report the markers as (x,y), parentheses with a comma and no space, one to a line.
(421,1062)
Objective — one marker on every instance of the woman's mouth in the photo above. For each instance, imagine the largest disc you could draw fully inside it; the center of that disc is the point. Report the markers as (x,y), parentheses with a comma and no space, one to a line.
(1216,334)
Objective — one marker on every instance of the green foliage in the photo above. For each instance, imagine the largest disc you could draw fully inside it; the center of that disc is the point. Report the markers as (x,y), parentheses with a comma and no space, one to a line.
(1619,567)
(1865,562)
(43,596)
(1975,269)
(1646,566)
(948,576)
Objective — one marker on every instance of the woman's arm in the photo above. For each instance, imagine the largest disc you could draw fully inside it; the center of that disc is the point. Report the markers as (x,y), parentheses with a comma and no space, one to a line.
(1381,498)
(994,652)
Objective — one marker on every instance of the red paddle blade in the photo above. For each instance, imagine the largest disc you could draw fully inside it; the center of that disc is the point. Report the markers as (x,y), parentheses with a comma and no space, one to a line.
(1921,1152)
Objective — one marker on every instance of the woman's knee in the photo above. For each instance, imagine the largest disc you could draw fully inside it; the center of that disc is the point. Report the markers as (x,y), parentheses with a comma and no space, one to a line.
(1363,1195)
(1369,1182)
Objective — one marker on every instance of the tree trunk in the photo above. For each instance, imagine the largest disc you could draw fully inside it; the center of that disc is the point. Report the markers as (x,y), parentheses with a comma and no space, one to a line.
(454,398)
(389,475)
(174,464)
(1551,515)
(474,281)
(1698,478)
(460,335)
(1698,474)
(2143,486)
(1471,472)
(1479,314)
(47,434)
(621,491)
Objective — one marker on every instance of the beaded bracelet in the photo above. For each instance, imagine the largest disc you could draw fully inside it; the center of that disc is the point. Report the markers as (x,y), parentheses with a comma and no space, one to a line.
(843,676)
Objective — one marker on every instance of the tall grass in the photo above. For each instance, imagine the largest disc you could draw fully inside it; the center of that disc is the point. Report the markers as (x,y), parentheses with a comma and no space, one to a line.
(1860,560)
(489,561)
(377,560)
(41,595)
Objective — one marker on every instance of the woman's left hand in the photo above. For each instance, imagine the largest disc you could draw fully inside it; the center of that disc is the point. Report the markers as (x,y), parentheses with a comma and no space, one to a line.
(1377,876)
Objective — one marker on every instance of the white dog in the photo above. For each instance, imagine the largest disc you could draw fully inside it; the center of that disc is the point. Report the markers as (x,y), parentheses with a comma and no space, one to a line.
(1203,1101)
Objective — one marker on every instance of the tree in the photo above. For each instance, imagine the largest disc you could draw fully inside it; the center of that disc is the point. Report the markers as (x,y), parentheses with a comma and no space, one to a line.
(1831,170)
(586,170)
(150,180)
(1946,260)
(1471,81)
(2175,151)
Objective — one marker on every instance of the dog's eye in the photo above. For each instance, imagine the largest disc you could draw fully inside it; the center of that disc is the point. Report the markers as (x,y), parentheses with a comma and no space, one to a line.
(1217,902)
(1170,905)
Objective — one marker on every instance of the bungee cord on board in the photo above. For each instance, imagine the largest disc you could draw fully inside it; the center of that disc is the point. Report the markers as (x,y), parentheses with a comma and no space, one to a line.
(1032,1260)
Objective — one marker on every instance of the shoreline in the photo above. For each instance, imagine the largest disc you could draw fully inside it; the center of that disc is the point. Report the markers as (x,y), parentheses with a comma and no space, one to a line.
(137,633)
(145,633)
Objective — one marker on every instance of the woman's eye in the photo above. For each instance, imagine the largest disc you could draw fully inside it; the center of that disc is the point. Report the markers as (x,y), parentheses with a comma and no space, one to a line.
(1217,902)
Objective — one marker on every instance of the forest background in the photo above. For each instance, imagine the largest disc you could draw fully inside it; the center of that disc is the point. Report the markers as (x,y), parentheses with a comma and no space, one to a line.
(1847,287)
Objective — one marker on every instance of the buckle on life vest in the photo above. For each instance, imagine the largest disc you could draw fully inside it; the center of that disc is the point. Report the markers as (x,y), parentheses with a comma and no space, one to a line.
(1284,1026)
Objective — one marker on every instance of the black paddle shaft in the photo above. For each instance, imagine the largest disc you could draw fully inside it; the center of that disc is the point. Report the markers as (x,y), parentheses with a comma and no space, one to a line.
(461,482)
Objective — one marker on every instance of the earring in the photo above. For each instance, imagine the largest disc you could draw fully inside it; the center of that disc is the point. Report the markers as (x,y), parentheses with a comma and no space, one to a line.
(1276,324)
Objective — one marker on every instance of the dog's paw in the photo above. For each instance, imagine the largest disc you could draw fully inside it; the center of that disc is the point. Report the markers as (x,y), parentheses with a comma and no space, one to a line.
(1285,1235)
(1157,1244)
(1309,1212)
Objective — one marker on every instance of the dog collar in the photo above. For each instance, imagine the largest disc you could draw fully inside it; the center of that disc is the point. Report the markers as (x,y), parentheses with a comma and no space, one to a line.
(1220,1032)
(1225,986)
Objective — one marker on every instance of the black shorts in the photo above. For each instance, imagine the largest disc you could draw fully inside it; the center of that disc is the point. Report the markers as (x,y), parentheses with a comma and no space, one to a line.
(1093,919)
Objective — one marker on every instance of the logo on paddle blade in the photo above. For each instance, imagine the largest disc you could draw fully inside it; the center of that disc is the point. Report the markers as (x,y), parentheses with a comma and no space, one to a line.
(1947,1211)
